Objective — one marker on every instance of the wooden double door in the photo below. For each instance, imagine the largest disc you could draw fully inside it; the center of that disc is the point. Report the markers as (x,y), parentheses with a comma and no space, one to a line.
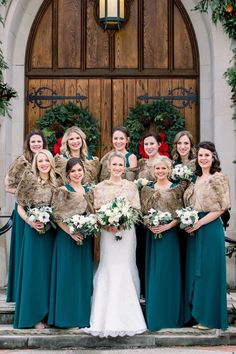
(70,58)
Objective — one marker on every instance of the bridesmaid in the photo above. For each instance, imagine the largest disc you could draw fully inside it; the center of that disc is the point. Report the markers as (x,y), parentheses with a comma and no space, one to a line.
(120,141)
(74,145)
(32,299)
(184,151)
(163,276)
(35,142)
(72,268)
(152,143)
(205,291)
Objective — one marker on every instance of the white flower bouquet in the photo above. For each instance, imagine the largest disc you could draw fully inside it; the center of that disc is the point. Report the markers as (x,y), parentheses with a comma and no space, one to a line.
(187,217)
(119,214)
(181,173)
(42,214)
(155,218)
(86,225)
(141,182)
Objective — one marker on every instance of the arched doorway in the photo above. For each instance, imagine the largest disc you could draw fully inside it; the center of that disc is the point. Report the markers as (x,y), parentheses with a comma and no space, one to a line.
(154,55)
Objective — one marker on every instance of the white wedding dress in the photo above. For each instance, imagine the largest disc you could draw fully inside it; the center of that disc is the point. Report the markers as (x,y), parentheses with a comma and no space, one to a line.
(116,309)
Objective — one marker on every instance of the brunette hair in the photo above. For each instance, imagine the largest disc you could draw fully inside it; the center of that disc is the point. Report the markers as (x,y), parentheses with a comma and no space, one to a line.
(52,174)
(154,135)
(166,161)
(72,162)
(121,129)
(215,167)
(64,143)
(192,152)
(27,152)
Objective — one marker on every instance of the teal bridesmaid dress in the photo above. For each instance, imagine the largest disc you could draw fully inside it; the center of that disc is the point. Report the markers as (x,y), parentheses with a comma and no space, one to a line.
(17,233)
(32,300)
(163,289)
(71,281)
(205,291)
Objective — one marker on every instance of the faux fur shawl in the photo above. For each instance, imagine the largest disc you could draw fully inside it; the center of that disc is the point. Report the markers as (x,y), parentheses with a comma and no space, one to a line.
(211,195)
(16,171)
(31,192)
(165,200)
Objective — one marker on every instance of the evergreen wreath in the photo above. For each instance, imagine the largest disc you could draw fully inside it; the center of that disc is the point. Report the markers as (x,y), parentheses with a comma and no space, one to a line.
(159,116)
(56,120)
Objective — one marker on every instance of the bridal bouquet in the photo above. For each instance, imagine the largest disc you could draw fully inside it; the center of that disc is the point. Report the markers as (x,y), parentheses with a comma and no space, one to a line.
(181,173)
(118,213)
(42,214)
(155,218)
(187,217)
(141,182)
(86,225)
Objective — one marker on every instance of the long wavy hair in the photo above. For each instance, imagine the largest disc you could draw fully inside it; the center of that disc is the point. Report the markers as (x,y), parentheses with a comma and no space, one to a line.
(64,144)
(192,152)
(215,167)
(29,155)
(52,174)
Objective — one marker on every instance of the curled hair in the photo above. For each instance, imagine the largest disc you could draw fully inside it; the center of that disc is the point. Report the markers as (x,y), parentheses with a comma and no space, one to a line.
(154,135)
(72,162)
(52,174)
(29,155)
(115,154)
(192,152)
(121,129)
(215,167)
(64,144)
(166,161)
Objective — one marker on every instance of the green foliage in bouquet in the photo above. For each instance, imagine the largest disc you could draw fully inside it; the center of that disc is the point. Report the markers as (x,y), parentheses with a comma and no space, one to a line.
(56,120)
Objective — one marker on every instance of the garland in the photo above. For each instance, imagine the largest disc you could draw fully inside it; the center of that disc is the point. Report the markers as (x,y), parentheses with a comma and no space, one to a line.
(222,11)
(56,120)
(159,116)
(6,92)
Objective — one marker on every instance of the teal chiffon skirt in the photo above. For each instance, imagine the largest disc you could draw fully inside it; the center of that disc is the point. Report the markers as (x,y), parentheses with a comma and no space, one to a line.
(71,282)
(163,281)
(205,291)
(32,300)
(17,233)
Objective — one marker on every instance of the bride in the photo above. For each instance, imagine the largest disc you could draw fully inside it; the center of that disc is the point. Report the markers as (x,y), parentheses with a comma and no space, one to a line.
(116,309)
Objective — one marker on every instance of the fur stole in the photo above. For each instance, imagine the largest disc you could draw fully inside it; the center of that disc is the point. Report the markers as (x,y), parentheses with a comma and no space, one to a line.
(32,192)
(91,169)
(66,204)
(165,200)
(16,171)
(145,171)
(105,191)
(211,195)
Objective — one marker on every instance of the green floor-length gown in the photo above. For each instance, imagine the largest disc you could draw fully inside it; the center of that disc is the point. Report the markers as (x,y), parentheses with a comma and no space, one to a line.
(17,232)
(32,300)
(205,294)
(71,281)
(163,281)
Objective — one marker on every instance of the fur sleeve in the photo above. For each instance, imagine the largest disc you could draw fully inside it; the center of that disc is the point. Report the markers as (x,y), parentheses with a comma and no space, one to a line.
(16,171)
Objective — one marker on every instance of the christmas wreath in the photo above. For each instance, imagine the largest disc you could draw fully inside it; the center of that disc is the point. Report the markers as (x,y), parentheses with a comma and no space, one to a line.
(160,117)
(56,120)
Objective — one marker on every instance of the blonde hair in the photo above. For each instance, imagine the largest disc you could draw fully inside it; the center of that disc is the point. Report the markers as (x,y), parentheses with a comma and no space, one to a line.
(52,174)
(166,161)
(115,154)
(64,144)
(192,152)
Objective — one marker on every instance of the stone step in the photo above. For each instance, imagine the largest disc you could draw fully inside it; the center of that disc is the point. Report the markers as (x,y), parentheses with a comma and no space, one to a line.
(58,339)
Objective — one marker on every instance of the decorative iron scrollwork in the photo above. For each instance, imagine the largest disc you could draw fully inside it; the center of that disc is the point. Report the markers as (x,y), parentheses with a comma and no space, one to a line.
(38,96)
(186,96)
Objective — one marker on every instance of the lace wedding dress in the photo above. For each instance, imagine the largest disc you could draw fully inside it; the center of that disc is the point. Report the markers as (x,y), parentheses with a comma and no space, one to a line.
(116,309)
